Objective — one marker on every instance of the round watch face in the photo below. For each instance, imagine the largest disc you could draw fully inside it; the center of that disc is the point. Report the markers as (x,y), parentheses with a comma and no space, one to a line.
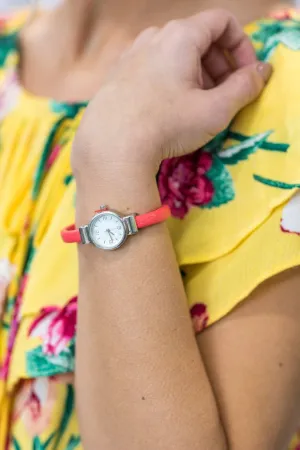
(107,231)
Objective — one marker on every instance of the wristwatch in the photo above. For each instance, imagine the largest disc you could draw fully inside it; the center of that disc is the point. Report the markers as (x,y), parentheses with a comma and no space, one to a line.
(108,230)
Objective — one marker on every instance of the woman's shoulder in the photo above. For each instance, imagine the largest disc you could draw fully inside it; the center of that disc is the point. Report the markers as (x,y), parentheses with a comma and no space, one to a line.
(236,202)
(10,25)
(216,190)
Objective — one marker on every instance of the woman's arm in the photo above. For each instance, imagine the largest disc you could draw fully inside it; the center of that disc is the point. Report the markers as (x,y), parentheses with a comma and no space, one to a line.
(141,381)
(253,362)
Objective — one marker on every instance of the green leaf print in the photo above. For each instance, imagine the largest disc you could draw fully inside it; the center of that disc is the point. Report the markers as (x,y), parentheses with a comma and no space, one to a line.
(39,364)
(290,38)
(49,440)
(16,444)
(270,146)
(37,445)
(40,170)
(8,44)
(270,35)
(5,326)
(68,179)
(267,30)
(68,411)
(73,442)
(216,143)
(241,152)
(222,182)
(10,303)
(69,109)
(275,183)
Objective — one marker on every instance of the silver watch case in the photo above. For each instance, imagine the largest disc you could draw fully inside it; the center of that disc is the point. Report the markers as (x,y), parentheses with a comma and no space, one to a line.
(128,222)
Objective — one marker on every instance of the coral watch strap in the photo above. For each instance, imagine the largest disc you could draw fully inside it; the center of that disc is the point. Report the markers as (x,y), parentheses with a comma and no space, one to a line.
(71,234)
(151,218)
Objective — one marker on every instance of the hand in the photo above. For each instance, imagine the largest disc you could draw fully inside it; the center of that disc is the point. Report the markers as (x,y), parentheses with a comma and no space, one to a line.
(172,91)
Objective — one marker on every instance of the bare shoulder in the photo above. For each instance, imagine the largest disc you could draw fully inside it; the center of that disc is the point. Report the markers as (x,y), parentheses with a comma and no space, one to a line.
(253,361)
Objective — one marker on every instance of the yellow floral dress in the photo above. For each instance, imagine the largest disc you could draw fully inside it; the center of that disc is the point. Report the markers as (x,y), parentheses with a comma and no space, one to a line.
(230,200)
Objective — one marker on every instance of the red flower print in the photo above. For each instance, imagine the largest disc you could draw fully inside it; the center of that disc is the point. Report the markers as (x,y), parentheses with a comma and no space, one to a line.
(183,183)
(56,327)
(282,14)
(199,316)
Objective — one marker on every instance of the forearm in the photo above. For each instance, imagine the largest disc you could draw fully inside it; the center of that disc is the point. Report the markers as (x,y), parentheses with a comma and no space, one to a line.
(140,380)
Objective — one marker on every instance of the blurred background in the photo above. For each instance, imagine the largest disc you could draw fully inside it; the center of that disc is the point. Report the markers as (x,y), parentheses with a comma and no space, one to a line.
(8,5)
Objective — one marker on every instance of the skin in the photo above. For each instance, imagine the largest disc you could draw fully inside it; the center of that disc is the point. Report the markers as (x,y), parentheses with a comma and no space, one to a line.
(153,385)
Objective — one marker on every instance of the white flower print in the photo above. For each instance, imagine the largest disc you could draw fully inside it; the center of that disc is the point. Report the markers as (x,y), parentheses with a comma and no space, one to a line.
(290,219)
(7,271)
(9,93)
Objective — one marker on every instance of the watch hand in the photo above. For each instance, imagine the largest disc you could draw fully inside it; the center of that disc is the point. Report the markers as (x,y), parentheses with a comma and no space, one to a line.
(110,234)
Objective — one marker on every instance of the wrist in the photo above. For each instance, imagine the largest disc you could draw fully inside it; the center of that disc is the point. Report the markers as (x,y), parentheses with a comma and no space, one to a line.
(119,138)
(124,189)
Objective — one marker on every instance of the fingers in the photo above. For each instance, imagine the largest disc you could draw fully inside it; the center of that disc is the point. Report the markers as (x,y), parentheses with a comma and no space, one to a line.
(206,81)
(217,64)
(221,27)
(223,102)
(214,30)
(240,88)
(144,37)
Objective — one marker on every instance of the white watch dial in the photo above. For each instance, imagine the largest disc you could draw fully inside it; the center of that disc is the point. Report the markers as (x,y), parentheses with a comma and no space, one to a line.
(107,231)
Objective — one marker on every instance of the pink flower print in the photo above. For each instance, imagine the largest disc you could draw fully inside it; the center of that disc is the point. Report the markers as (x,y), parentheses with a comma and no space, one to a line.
(13,328)
(7,271)
(34,404)
(199,316)
(3,23)
(53,155)
(290,218)
(183,183)
(9,94)
(56,327)
(282,14)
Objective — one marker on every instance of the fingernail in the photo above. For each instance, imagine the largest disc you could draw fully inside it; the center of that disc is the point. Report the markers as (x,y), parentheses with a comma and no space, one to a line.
(265,70)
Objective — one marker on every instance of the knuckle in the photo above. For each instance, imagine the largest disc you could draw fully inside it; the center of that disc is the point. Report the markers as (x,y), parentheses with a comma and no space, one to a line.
(179,29)
(224,13)
(150,31)
(217,13)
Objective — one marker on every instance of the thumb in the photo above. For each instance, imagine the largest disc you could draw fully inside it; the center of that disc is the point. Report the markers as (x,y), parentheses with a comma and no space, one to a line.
(242,87)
